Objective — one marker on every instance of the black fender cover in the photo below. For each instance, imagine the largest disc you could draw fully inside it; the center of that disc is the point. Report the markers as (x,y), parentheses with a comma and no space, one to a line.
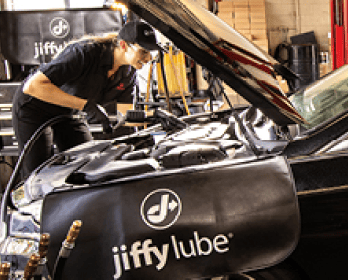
(202,221)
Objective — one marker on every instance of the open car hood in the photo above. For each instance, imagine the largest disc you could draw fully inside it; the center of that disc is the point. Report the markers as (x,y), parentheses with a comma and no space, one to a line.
(226,53)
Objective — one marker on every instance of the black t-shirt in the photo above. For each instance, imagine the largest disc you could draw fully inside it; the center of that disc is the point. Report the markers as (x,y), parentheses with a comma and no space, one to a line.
(81,70)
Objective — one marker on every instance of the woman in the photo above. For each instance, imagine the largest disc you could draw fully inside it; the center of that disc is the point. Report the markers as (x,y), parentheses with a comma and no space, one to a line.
(85,74)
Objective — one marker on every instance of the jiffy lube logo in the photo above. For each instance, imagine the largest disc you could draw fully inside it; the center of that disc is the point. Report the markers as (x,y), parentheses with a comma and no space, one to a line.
(159,210)
(146,253)
(59,27)
(47,48)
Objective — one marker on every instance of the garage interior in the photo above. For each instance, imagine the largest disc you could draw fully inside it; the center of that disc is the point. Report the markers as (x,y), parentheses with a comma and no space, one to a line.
(267,23)
(285,30)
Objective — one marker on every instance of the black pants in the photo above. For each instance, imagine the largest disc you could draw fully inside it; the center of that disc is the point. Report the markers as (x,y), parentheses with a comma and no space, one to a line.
(28,117)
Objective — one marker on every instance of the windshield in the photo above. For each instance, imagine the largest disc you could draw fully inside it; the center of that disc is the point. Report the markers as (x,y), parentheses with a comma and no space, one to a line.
(324,99)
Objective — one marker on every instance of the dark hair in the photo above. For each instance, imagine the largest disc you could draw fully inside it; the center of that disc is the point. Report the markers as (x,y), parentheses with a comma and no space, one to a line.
(108,38)
(105,39)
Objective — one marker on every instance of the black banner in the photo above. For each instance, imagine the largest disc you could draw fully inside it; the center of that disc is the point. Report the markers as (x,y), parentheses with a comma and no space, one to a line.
(33,37)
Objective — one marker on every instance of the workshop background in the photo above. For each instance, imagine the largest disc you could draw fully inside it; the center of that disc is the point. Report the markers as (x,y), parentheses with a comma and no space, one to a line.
(267,23)
(282,19)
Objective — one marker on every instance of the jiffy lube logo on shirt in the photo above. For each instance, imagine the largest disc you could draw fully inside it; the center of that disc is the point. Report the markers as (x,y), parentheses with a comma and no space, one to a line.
(120,86)
(160,210)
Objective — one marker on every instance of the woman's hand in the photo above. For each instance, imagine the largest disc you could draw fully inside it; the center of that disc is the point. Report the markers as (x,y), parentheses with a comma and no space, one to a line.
(99,114)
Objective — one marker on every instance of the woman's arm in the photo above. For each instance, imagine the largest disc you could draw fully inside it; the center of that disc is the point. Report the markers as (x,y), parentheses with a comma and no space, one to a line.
(41,87)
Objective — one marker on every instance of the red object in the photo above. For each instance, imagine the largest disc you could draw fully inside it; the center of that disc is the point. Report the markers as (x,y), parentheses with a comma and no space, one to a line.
(339,33)
(340,46)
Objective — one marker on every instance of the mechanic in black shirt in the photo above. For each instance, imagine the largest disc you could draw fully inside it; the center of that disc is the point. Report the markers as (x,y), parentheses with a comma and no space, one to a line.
(87,74)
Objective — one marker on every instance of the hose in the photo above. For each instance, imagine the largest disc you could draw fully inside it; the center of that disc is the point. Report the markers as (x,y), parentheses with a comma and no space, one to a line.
(11,183)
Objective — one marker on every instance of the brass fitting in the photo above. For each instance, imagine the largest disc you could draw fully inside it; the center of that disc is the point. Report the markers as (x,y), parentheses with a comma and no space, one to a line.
(74,232)
(43,246)
(31,266)
(5,270)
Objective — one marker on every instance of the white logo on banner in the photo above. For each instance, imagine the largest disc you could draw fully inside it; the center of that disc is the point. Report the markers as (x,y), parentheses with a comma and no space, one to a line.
(59,27)
(161,209)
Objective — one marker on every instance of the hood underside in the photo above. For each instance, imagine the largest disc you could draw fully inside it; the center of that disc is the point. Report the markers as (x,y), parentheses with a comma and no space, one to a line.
(215,45)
